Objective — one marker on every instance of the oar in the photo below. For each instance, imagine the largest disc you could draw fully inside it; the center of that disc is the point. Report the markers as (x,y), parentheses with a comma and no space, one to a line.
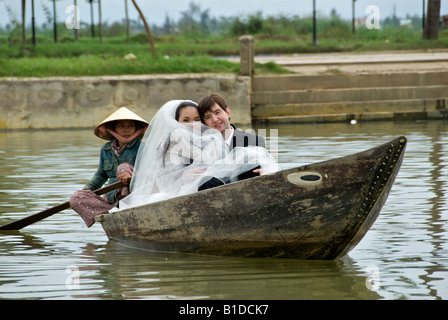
(19,224)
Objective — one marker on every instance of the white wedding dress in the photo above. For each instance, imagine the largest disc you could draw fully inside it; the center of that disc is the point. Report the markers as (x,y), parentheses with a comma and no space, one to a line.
(175,158)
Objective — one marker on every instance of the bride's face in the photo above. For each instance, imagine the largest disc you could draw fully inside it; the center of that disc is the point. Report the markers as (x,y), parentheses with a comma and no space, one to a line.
(189,114)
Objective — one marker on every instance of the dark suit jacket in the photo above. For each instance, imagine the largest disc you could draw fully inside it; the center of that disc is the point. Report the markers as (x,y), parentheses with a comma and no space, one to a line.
(244,139)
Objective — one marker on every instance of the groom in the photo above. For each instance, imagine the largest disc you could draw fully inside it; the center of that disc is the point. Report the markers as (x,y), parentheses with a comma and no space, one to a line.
(215,113)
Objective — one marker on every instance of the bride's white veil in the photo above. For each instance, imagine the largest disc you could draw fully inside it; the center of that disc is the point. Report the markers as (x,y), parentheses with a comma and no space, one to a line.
(175,158)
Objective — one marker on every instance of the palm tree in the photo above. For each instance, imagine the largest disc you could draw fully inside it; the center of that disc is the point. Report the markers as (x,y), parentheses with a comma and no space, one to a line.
(55,28)
(99,23)
(431,30)
(148,31)
(92,26)
(353,17)
(23,22)
(314,24)
(127,20)
(76,19)
(33,29)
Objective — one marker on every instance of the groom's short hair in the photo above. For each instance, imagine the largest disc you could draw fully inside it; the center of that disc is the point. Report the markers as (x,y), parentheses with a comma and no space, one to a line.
(207,102)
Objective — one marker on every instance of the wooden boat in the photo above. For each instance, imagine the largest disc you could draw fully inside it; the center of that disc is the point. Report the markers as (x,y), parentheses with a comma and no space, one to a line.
(316,211)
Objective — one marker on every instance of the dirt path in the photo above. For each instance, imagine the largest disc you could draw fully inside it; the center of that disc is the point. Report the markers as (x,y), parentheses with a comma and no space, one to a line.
(363,62)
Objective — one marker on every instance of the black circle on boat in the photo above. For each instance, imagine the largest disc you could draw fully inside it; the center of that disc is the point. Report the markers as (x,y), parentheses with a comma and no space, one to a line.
(310,177)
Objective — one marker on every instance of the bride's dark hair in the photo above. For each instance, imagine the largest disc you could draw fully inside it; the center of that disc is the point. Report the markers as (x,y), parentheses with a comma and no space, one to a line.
(183,105)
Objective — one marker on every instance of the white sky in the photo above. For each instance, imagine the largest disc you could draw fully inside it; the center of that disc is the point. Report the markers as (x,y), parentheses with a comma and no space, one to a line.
(156,10)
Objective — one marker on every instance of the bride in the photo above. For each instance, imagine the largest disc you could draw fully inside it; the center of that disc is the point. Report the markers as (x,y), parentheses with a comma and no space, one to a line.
(178,153)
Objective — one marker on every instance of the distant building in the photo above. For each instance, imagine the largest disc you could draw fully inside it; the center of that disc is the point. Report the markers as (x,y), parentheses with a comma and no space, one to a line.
(444,22)
(406,22)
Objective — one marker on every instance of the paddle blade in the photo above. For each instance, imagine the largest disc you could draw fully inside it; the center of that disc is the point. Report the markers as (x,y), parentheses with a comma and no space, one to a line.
(19,224)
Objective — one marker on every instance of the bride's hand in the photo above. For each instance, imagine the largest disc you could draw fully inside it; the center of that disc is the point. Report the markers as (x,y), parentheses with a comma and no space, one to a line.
(192,174)
(195,171)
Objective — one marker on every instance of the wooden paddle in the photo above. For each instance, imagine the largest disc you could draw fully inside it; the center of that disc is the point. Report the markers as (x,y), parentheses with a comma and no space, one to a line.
(19,224)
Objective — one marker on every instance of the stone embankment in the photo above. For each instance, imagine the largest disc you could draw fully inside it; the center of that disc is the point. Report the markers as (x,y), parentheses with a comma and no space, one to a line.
(365,86)
(323,87)
(83,102)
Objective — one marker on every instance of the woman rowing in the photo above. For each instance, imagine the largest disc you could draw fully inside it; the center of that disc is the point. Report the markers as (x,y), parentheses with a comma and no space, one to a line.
(123,129)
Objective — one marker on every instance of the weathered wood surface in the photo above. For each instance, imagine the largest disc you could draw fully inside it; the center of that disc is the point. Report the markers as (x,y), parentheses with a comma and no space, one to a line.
(317,211)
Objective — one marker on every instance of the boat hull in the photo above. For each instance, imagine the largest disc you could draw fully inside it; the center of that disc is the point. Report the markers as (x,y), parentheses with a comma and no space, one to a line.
(317,211)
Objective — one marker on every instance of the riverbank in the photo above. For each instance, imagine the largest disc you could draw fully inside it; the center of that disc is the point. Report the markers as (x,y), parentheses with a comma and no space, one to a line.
(195,53)
(324,87)
(82,102)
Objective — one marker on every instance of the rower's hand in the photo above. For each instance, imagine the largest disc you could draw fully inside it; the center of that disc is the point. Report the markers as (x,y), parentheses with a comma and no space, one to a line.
(125,178)
(259,171)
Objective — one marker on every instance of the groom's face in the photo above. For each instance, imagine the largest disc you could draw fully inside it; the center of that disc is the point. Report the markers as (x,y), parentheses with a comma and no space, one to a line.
(217,118)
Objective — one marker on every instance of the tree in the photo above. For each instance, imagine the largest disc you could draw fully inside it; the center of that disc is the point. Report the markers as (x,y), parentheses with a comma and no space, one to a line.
(353,16)
(148,31)
(92,25)
(169,27)
(23,22)
(49,19)
(431,31)
(100,30)
(33,27)
(55,28)
(314,24)
(194,19)
(128,39)
(76,19)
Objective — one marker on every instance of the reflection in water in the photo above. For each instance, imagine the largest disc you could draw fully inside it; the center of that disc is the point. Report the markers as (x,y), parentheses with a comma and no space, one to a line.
(58,258)
(165,275)
(112,271)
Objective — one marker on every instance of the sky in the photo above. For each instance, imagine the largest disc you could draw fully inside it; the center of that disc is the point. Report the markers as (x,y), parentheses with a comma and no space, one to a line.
(156,10)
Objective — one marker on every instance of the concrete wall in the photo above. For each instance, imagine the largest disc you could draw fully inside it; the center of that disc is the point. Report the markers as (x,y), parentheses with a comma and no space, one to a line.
(83,102)
(343,97)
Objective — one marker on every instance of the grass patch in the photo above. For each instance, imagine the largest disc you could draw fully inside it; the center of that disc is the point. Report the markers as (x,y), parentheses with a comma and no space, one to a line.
(98,66)
(94,65)
(186,54)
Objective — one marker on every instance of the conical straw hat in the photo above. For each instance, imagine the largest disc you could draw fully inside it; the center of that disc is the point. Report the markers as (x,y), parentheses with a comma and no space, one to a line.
(121,114)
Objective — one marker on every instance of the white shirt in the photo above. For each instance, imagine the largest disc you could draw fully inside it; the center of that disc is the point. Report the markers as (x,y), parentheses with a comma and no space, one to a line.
(229,139)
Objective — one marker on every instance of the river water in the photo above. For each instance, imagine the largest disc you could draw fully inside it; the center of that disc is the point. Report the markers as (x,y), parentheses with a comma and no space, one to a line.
(403,256)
